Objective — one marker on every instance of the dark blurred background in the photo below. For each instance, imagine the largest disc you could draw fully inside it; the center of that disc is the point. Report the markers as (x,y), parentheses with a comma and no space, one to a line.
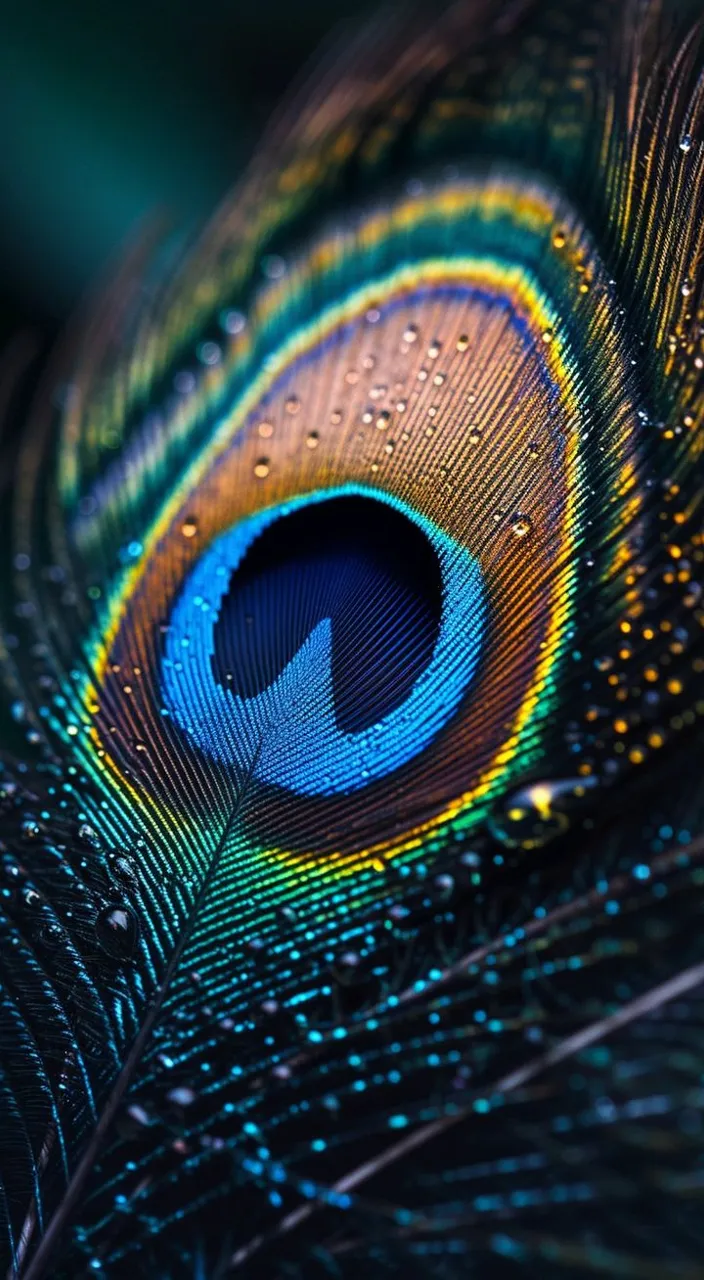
(109,112)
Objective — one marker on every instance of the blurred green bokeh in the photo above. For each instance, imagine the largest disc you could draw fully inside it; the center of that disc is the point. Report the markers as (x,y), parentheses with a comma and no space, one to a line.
(111,112)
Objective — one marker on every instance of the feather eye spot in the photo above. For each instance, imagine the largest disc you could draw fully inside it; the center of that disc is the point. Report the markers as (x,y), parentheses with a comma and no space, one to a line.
(506,403)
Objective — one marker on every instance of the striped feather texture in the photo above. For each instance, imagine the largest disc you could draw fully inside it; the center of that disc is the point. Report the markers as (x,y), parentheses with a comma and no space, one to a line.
(351,865)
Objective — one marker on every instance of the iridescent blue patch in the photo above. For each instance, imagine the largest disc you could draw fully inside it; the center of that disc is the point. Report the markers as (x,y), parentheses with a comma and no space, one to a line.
(289,733)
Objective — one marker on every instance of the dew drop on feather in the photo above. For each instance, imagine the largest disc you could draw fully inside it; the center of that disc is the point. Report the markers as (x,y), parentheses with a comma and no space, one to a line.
(117,931)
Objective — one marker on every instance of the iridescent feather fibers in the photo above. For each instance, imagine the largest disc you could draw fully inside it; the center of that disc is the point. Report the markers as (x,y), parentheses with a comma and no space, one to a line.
(352,872)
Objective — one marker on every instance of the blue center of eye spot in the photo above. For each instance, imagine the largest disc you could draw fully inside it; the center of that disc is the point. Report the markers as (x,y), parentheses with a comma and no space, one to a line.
(324,642)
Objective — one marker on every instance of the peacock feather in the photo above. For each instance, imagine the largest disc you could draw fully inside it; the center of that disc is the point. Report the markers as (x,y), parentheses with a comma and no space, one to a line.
(351,868)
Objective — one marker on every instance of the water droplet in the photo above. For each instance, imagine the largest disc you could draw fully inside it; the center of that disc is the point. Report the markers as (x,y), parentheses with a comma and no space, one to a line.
(189,528)
(51,934)
(9,792)
(444,885)
(233,322)
(521,526)
(138,1114)
(462,342)
(117,930)
(686,142)
(470,859)
(293,404)
(182,1096)
(398,912)
(312,440)
(261,468)
(534,815)
(131,552)
(30,829)
(123,869)
(209,353)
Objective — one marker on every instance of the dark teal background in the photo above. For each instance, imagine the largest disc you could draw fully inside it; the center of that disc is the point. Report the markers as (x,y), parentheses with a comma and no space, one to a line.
(109,112)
